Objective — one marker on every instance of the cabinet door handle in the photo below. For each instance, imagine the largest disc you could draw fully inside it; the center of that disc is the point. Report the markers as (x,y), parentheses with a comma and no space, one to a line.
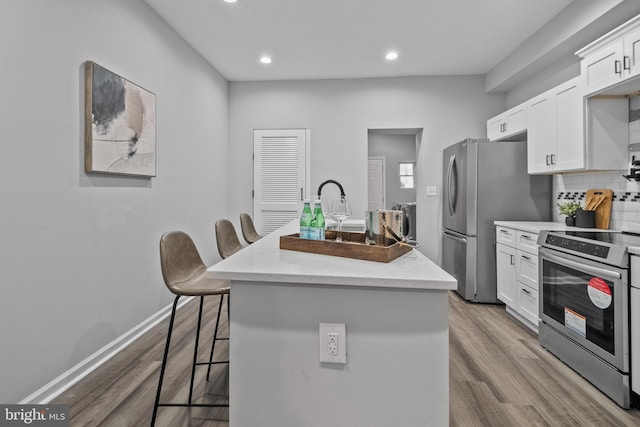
(513,260)
(553,159)
(616,66)
(547,160)
(526,291)
(524,236)
(626,62)
(525,257)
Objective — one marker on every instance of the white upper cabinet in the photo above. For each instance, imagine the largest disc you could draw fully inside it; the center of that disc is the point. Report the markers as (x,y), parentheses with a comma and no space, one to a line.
(555,138)
(613,59)
(568,132)
(508,124)
(632,51)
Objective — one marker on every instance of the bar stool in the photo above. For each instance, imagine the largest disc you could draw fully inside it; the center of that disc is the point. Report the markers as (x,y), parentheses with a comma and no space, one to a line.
(248,230)
(185,274)
(226,238)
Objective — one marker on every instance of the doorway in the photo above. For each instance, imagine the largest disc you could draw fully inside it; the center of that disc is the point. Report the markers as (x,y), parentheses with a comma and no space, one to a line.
(392,171)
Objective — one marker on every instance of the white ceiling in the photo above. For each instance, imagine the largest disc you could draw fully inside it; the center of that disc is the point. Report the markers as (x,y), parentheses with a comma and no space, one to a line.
(323,39)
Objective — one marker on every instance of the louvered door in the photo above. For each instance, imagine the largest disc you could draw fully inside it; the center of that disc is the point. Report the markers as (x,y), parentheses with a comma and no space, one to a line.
(280,179)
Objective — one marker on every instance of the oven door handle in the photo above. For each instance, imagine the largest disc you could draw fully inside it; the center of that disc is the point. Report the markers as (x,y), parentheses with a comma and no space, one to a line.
(594,271)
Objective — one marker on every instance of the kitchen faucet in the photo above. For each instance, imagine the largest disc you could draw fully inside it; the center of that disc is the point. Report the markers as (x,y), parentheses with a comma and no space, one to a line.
(332,182)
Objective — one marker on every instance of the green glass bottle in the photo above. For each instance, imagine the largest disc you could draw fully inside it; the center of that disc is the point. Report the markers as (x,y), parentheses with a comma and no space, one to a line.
(305,221)
(318,224)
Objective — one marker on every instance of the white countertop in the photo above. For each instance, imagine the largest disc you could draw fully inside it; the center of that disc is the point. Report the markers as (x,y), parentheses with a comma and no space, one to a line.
(264,261)
(538,226)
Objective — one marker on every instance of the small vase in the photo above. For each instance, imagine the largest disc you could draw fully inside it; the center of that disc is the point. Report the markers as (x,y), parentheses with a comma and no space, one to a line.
(570,221)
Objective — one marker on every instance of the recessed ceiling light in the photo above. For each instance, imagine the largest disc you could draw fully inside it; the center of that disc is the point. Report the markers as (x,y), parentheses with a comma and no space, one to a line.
(390,56)
(230,1)
(265,59)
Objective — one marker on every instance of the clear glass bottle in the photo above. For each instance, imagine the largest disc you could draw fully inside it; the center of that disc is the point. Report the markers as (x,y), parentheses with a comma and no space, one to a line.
(305,221)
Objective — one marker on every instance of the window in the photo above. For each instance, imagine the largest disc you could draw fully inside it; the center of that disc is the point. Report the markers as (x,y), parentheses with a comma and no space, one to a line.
(407,177)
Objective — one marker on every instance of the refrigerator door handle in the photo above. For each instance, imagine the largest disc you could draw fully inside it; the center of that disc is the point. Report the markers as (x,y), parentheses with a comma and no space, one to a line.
(456,238)
(451,195)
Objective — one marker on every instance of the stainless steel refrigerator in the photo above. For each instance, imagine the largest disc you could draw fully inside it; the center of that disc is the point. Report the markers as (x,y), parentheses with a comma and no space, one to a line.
(485,182)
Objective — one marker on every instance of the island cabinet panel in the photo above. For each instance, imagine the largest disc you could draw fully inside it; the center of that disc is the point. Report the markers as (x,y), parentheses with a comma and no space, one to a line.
(396,319)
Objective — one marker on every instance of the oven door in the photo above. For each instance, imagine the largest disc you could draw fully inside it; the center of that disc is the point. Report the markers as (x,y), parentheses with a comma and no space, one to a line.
(587,302)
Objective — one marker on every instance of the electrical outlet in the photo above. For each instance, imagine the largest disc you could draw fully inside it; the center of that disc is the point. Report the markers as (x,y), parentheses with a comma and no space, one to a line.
(432,190)
(333,343)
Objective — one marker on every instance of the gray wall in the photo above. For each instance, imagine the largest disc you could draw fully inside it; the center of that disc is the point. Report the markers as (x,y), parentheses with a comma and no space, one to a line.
(395,148)
(339,114)
(79,255)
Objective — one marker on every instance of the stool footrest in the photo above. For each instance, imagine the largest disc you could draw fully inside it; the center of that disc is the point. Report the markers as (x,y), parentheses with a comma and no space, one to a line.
(201,405)
(212,363)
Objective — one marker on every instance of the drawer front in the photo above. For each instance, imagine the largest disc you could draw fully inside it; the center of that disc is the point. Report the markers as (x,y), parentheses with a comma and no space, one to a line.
(506,236)
(527,269)
(527,242)
(527,300)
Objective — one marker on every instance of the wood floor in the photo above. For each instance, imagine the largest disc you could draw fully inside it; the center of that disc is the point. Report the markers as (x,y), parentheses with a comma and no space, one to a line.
(499,376)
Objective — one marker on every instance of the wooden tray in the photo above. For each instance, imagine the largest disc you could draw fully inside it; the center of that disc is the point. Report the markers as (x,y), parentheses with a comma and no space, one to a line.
(352,246)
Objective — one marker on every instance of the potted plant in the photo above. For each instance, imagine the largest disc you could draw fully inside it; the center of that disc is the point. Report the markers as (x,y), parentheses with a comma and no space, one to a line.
(569,209)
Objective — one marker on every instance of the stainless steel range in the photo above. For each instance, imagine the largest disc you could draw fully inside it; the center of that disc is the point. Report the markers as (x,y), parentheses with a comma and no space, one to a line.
(584,305)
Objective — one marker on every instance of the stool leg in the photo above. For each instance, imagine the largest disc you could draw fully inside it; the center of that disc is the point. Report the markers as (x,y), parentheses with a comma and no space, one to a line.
(195,350)
(215,334)
(164,361)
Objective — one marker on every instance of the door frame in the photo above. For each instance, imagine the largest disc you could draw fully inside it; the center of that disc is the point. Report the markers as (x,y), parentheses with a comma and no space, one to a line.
(384,179)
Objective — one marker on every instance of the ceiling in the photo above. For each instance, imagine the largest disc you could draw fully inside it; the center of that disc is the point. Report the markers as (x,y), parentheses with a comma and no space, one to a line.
(329,39)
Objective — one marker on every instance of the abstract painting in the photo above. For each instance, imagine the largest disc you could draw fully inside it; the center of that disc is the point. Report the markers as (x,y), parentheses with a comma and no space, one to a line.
(120,116)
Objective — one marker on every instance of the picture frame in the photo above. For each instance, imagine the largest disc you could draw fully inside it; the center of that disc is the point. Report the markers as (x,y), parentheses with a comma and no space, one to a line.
(120,134)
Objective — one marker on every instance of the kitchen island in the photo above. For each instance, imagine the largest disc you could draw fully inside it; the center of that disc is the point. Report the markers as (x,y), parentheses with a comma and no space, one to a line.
(395,314)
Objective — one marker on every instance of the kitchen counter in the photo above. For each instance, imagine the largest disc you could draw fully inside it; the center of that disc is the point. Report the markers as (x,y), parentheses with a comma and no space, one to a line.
(538,226)
(396,322)
(264,261)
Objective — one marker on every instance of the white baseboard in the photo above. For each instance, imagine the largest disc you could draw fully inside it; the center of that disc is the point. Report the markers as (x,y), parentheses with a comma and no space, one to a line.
(53,389)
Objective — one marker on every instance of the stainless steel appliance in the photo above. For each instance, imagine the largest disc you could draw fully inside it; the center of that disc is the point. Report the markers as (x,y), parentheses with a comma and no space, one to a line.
(409,221)
(382,226)
(584,305)
(484,182)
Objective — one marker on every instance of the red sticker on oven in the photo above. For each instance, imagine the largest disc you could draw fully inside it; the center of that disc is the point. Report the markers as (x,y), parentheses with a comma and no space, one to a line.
(599,292)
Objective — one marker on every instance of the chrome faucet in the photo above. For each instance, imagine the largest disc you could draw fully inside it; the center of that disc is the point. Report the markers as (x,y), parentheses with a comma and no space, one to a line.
(332,182)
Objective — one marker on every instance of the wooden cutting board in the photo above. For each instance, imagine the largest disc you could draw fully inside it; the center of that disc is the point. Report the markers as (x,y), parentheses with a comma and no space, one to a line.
(600,201)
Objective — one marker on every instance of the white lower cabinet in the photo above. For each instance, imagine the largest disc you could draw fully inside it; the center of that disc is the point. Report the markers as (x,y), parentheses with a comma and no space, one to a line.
(527,303)
(517,274)
(506,274)
(635,323)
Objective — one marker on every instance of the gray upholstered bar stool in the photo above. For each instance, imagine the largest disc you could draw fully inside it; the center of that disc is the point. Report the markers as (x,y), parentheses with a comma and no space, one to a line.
(248,230)
(185,274)
(227,238)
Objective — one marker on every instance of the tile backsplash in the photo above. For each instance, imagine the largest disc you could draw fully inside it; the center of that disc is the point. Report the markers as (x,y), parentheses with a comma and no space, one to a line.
(625,209)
